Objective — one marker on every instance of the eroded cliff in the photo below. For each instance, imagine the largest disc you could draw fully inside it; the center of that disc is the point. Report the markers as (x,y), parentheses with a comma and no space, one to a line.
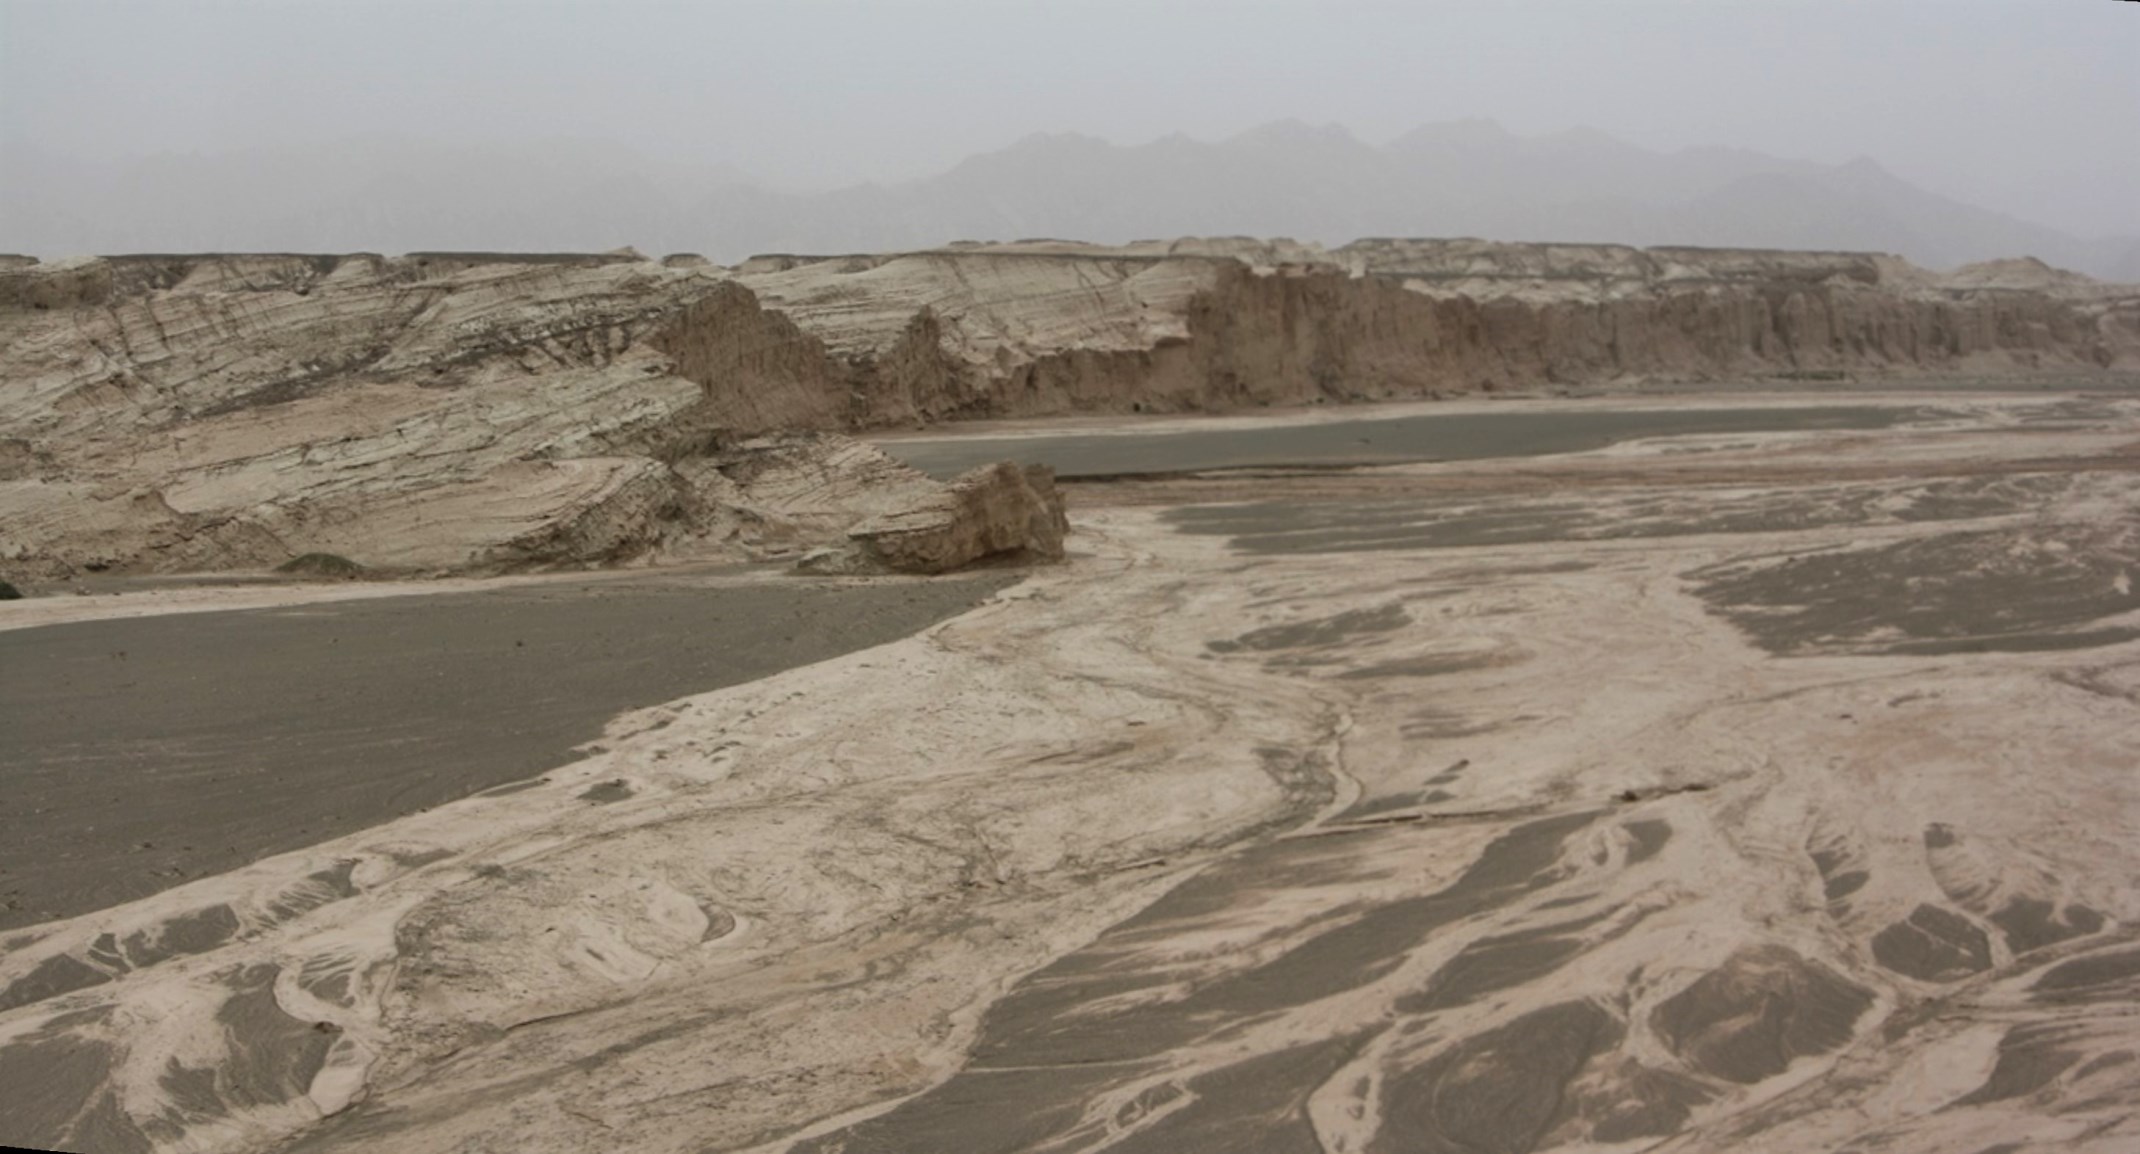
(1046,328)
(471,412)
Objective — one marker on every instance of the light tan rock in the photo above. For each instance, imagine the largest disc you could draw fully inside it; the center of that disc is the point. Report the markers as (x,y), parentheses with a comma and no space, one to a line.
(998,512)
(482,411)
(439,412)
(1044,328)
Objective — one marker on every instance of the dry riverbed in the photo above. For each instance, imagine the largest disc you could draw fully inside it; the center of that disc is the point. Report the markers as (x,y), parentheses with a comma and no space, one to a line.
(1740,790)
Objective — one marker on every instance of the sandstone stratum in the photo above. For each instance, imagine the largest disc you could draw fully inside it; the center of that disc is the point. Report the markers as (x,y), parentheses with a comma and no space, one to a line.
(476,412)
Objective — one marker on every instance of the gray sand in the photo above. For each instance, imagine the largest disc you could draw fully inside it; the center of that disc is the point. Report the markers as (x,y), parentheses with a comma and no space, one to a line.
(58,1091)
(1749,1018)
(1372,441)
(2030,1057)
(2031,924)
(273,1055)
(1933,945)
(138,754)
(1259,1104)
(1502,1090)
(2036,588)
(1321,526)
(1059,1020)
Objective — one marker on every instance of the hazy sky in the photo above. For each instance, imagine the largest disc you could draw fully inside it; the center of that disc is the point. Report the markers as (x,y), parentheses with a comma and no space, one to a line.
(2031,107)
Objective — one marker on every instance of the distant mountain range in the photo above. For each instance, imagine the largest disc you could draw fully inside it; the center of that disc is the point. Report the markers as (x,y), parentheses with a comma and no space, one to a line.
(1463,178)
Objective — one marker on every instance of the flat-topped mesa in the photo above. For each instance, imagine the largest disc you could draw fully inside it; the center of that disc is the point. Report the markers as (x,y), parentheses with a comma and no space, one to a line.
(456,411)
(1464,260)
(1574,271)
(26,281)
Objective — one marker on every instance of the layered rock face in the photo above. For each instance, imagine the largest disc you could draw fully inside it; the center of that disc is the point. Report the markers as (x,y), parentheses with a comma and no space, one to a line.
(471,412)
(1044,328)
(429,413)
(997,511)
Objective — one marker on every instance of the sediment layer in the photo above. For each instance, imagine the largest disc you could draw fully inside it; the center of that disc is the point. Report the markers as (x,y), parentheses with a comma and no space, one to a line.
(478,411)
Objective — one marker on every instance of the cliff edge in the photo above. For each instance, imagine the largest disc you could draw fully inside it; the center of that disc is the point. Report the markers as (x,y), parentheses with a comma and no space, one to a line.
(470,412)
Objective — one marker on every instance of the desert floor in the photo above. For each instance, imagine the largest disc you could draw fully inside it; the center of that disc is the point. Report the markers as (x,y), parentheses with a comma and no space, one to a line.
(142,752)
(1752,788)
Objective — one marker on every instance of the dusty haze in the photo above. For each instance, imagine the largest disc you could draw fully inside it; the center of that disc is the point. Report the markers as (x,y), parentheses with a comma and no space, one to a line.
(395,126)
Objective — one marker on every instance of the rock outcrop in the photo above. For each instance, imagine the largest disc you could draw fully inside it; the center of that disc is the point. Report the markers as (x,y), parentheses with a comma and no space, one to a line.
(481,411)
(1047,328)
(998,512)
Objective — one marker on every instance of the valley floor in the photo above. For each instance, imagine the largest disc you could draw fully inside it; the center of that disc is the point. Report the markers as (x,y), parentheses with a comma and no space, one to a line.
(1739,790)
